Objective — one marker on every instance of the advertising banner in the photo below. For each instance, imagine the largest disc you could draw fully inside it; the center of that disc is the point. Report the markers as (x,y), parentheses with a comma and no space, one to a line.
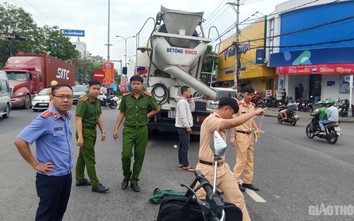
(316,69)
(108,68)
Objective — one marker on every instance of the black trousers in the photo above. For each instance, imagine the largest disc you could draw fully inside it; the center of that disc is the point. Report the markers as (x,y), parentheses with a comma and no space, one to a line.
(183,146)
(53,193)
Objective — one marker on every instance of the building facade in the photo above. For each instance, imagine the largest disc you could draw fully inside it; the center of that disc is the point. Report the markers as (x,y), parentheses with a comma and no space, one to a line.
(253,69)
(312,43)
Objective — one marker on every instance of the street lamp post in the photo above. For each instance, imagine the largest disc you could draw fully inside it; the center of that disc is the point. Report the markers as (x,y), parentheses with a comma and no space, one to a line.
(125,47)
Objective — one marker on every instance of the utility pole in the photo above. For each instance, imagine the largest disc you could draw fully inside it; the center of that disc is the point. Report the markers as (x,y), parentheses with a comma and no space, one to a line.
(236,7)
(108,39)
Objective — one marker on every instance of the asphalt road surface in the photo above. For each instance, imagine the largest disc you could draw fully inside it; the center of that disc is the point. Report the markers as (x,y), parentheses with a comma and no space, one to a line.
(297,176)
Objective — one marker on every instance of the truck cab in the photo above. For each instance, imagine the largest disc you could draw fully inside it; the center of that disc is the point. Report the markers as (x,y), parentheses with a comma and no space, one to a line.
(28,74)
(5,95)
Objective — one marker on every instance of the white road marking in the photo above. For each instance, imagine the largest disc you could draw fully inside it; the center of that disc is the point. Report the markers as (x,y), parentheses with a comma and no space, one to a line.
(262,131)
(255,196)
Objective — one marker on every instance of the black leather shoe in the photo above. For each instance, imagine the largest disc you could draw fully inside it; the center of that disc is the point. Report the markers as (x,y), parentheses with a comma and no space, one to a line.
(83,182)
(135,187)
(250,186)
(241,188)
(100,189)
(125,184)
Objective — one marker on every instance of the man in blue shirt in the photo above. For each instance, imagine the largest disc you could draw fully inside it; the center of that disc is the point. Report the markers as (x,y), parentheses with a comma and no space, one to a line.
(52,133)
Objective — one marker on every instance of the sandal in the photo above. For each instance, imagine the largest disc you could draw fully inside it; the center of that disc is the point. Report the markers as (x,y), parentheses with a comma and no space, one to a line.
(180,165)
(189,168)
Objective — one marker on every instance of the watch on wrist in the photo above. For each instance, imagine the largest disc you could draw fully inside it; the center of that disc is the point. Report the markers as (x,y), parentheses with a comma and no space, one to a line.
(103,132)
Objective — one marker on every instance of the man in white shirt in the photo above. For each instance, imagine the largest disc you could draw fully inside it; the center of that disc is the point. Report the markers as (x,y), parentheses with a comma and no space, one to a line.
(332,116)
(184,124)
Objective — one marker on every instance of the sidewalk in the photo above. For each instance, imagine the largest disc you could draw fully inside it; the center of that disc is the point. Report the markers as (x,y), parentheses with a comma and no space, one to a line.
(273,112)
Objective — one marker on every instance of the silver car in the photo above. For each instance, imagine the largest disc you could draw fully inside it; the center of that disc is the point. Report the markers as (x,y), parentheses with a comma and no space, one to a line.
(5,95)
(79,91)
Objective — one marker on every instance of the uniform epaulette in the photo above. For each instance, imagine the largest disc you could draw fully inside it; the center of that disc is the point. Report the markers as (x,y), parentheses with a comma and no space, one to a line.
(148,94)
(241,103)
(126,93)
(46,114)
(84,99)
(56,116)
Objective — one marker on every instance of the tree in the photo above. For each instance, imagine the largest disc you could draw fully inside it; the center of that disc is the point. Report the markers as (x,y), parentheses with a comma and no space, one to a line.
(210,63)
(58,45)
(85,68)
(15,21)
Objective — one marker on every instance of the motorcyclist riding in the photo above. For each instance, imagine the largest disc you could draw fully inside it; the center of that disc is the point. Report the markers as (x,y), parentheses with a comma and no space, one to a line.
(331,116)
(321,114)
(289,107)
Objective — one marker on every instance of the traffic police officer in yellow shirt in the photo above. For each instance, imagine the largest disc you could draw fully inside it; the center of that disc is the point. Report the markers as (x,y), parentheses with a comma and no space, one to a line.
(222,119)
(134,108)
(242,138)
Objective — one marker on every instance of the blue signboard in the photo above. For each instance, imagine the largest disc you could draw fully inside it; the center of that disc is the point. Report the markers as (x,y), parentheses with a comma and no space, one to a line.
(259,56)
(313,56)
(70,32)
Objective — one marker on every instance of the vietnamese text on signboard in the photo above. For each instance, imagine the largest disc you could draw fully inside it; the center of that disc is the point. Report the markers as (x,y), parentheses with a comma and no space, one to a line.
(70,32)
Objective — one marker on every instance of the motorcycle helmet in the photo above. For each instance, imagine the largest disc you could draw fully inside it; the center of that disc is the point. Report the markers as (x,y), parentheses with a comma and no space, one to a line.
(330,101)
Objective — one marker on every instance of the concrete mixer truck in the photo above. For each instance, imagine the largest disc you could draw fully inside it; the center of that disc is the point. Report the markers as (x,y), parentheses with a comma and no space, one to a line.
(173,57)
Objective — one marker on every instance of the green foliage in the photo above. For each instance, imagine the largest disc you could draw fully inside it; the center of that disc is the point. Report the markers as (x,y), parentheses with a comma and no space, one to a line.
(210,64)
(15,21)
(85,68)
(58,45)
(208,60)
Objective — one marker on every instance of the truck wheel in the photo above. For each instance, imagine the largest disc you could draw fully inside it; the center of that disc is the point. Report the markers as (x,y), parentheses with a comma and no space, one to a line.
(27,103)
(8,109)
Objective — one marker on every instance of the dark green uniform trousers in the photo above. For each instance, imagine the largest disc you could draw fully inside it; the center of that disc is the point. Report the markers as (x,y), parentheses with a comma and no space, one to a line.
(87,157)
(134,138)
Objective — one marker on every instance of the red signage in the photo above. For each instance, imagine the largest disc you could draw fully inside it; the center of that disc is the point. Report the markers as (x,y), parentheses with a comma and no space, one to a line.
(98,75)
(316,69)
(108,69)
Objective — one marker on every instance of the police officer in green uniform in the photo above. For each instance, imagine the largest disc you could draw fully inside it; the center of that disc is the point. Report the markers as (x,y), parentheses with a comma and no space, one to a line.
(134,108)
(88,115)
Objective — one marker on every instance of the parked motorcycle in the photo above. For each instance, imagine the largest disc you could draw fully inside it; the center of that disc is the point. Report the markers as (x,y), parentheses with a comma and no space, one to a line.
(292,117)
(332,129)
(343,106)
(110,101)
(305,105)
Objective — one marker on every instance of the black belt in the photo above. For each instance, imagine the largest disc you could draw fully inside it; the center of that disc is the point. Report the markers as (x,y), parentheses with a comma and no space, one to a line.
(244,132)
(89,126)
(210,163)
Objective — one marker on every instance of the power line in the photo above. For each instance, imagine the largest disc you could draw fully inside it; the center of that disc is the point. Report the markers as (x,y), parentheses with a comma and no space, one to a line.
(212,14)
(295,32)
(214,19)
(277,13)
(43,13)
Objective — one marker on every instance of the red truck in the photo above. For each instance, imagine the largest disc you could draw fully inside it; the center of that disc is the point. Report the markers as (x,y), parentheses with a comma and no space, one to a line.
(28,74)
